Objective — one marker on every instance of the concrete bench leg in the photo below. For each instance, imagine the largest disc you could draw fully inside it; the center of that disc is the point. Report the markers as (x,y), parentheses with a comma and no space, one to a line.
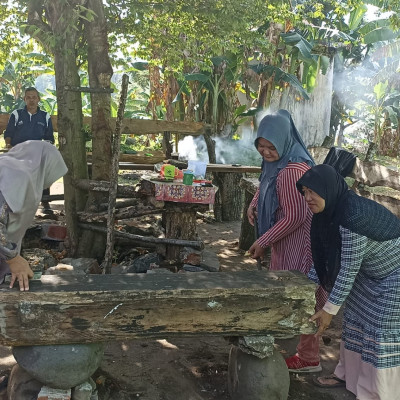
(251,377)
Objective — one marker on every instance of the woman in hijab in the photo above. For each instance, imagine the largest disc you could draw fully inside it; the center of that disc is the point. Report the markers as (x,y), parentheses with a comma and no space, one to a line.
(356,252)
(283,216)
(25,171)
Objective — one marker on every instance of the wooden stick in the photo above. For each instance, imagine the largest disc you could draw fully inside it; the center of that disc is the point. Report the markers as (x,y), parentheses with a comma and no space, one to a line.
(104,186)
(116,144)
(129,212)
(88,89)
(121,203)
(196,244)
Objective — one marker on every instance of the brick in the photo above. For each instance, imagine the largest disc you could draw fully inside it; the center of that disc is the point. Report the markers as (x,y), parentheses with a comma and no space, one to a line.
(190,256)
(54,232)
(48,393)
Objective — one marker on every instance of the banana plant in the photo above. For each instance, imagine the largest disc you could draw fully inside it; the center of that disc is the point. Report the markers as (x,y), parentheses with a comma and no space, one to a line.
(213,88)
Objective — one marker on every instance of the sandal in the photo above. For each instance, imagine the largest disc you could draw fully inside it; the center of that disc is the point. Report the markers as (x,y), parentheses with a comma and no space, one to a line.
(338,382)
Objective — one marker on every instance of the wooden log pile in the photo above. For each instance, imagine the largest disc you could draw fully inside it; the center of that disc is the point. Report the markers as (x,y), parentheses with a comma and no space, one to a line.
(179,220)
(141,157)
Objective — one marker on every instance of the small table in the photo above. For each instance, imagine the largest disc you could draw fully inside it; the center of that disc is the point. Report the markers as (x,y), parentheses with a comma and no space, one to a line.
(177,192)
(179,217)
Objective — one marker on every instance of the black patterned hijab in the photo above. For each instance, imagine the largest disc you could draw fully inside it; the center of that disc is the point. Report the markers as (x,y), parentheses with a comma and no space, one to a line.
(344,208)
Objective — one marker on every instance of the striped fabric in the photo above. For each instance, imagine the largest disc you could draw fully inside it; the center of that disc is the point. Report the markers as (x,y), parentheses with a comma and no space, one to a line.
(289,238)
(369,284)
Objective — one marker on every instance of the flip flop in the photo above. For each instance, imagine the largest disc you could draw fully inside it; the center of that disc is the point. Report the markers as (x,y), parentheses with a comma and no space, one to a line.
(339,382)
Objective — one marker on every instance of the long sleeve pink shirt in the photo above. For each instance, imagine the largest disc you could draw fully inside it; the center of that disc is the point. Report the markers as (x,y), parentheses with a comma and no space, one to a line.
(289,237)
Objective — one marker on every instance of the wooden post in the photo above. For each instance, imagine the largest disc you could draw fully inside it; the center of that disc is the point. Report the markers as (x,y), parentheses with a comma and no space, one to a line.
(106,265)
(179,222)
(229,197)
(247,236)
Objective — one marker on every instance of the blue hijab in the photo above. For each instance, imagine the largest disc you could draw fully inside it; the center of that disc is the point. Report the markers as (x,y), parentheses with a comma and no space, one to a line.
(279,129)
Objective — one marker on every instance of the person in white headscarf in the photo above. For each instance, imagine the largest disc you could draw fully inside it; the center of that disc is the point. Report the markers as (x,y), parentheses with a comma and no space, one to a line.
(25,171)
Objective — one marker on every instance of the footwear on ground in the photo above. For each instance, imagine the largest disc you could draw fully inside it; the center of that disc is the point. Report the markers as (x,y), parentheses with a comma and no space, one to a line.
(296,364)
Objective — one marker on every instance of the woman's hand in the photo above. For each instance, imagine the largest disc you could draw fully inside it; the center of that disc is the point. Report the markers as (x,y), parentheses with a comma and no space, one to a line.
(251,213)
(256,251)
(21,271)
(324,320)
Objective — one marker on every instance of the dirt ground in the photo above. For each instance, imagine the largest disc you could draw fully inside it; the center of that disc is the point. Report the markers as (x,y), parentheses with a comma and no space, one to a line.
(178,368)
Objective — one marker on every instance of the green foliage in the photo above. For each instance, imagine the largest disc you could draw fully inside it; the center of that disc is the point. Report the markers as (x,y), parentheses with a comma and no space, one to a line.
(207,46)
(279,75)
(178,33)
(18,74)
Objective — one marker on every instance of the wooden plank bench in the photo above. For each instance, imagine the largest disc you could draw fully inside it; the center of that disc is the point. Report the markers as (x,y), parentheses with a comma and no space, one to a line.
(98,308)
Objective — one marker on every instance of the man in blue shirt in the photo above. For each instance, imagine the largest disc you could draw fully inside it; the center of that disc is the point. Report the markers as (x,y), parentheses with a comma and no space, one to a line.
(30,123)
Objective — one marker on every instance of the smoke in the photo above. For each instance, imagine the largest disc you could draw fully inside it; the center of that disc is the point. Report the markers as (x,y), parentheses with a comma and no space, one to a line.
(227,150)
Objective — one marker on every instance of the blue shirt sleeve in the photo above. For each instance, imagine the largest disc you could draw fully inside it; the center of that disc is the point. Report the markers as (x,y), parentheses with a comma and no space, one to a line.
(10,129)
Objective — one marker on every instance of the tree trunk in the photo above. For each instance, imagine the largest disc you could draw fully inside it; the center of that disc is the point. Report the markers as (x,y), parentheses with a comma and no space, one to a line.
(166,144)
(179,222)
(247,232)
(372,148)
(212,158)
(229,197)
(61,16)
(100,73)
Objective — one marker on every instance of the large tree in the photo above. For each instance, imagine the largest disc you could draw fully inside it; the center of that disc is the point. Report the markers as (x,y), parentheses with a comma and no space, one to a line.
(74,33)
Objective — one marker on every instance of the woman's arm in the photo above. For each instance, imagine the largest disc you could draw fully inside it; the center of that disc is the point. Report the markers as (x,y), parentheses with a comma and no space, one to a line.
(19,267)
(353,249)
(253,208)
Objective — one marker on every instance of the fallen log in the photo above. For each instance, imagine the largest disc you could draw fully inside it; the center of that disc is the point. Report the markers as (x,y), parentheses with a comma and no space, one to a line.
(125,213)
(141,157)
(97,308)
(121,203)
(104,186)
(196,244)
